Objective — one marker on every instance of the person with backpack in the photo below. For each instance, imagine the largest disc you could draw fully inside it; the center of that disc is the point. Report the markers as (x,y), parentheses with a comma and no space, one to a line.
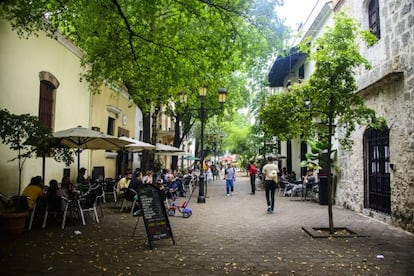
(270,171)
(252,172)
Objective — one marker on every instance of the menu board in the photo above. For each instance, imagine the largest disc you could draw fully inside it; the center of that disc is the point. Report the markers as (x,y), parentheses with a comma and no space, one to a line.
(155,216)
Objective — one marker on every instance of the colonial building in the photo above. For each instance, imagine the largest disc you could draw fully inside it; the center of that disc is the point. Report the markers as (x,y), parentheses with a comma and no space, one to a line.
(292,67)
(42,76)
(377,176)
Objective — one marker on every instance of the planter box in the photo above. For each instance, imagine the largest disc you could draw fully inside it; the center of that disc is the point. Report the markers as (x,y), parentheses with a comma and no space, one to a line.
(12,222)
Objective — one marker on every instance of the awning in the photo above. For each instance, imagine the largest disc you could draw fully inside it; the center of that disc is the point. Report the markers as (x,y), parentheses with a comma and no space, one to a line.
(283,65)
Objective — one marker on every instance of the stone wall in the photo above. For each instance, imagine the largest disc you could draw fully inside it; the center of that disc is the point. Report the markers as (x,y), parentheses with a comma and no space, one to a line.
(388,88)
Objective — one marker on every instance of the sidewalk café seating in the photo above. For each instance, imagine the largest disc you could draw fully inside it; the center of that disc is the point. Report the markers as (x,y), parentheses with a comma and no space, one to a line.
(109,186)
(129,196)
(189,182)
(36,213)
(310,189)
(54,207)
(88,202)
(282,187)
(295,189)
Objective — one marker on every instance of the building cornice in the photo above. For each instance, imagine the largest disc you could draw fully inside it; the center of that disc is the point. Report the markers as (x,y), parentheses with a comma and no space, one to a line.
(386,79)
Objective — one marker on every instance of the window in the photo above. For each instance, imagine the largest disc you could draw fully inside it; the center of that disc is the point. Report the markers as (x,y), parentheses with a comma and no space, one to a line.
(48,86)
(374,18)
(111,126)
(46,104)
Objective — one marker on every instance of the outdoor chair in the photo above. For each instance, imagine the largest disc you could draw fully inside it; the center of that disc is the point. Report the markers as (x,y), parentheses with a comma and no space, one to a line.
(309,190)
(188,183)
(89,201)
(282,187)
(130,195)
(110,189)
(36,215)
(32,215)
(297,190)
(54,207)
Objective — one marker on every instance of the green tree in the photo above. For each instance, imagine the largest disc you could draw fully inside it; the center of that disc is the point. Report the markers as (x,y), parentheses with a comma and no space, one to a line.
(158,49)
(24,133)
(327,103)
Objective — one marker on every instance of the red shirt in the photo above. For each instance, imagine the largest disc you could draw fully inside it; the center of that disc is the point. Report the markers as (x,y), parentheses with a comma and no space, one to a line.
(252,169)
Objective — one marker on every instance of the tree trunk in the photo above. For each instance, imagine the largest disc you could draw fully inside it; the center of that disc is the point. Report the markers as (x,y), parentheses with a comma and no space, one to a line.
(20,173)
(177,141)
(329,169)
(146,137)
(154,117)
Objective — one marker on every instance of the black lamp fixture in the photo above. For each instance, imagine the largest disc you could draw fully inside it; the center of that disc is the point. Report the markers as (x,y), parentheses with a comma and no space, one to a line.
(222,94)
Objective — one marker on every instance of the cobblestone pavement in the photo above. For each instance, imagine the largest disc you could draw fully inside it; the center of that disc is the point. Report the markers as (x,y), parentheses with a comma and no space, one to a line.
(226,235)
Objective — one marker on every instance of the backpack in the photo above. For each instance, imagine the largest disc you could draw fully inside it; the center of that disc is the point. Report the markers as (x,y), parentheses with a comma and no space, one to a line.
(274,175)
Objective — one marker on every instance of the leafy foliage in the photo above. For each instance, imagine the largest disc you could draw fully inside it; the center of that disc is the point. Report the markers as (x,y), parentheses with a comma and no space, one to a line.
(329,92)
(332,104)
(163,48)
(24,133)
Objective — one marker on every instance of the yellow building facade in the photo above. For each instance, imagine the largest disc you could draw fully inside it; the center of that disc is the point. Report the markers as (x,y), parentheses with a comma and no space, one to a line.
(113,113)
(29,65)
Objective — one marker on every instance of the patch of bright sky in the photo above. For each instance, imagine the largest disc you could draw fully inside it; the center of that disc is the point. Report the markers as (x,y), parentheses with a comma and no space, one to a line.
(295,12)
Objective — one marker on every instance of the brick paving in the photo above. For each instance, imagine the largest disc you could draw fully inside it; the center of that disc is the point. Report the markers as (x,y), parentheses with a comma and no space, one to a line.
(226,235)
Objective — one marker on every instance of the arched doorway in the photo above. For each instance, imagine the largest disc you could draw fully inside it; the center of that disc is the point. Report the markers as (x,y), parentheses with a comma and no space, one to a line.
(377,190)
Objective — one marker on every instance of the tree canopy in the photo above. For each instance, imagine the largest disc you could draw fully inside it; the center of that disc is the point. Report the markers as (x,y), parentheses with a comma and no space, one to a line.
(159,49)
(330,92)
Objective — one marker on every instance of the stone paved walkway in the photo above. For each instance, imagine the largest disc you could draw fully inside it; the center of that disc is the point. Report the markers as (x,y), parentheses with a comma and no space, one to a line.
(226,235)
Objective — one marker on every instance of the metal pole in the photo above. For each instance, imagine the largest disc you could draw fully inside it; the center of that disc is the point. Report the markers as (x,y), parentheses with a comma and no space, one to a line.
(201,195)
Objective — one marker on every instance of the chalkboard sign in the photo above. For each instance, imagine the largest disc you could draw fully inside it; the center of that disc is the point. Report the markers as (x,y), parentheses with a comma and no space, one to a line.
(155,216)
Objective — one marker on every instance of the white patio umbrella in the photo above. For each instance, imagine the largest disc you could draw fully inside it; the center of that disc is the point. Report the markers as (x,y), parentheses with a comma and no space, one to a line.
(136,145)
(85,138)
(168,150)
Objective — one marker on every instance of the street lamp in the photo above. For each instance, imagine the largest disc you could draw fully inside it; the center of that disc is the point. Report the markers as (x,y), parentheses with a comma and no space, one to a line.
(222,93)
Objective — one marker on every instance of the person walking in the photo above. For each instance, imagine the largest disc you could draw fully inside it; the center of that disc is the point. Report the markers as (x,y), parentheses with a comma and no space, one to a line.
(252,173)
(270,172)
(230,177)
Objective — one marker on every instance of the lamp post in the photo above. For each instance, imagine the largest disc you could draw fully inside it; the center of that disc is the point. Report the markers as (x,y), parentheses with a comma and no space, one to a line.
(222,93)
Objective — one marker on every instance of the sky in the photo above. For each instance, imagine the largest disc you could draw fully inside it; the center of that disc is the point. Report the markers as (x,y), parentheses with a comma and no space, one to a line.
(295,11)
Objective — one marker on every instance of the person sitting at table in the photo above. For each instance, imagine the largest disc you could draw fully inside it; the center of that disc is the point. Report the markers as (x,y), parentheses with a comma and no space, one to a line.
(136,182)
(173,186)
(66,185)
(123,183)
(33,191)
(54,196)
(83,181)
(134,185)
(148,178)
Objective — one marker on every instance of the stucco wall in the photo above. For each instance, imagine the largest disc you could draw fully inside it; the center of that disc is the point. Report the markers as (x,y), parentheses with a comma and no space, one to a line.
(100,113)
(21,62)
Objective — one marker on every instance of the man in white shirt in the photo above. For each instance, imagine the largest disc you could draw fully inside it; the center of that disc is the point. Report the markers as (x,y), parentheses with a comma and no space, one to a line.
(270,172)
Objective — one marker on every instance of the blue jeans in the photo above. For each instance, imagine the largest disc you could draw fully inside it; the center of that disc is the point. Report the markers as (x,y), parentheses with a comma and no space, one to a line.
(229,186)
